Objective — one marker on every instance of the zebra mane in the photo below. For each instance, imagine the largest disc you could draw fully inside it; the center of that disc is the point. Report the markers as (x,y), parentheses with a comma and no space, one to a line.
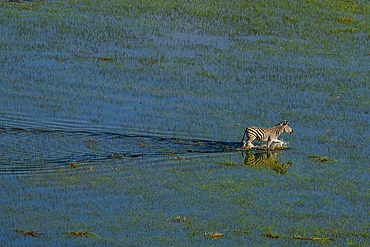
(282,123)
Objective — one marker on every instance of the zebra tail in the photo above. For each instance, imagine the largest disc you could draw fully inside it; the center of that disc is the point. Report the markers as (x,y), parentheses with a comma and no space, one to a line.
(245,132)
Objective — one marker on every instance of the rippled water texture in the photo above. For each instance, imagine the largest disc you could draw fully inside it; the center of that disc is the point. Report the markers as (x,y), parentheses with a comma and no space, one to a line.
(122,121)
(30,147)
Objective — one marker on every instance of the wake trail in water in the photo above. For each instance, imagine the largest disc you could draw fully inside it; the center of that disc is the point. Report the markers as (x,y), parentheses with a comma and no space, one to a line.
(27,146)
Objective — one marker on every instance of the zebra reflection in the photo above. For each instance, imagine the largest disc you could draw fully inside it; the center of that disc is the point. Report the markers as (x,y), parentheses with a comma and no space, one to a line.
(268,159)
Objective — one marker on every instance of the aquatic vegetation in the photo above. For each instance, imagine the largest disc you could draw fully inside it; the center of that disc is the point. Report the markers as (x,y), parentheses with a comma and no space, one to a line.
(116,85)
(80,234)
(106,58)
(116,155)
(318,158)
(324,138)
(213,234)
(25,232)
(270,235)
(313,238)
(229,163)
(177,219)
(180,158)
(73,165)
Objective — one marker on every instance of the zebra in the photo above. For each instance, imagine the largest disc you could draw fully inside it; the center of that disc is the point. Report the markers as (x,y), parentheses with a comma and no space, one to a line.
(268,135)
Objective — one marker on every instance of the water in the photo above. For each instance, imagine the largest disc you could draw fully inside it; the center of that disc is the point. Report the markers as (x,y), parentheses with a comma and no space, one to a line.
(31,146)
(118,146)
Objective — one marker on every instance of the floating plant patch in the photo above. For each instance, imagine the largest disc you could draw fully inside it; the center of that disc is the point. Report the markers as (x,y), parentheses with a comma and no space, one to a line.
(79,234)
(318,158)
(313,238)
(25,232)
(270,235)
(213,234)
(177,219)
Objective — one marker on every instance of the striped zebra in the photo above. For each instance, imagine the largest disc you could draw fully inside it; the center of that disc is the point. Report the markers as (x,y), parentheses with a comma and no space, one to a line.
(268,135)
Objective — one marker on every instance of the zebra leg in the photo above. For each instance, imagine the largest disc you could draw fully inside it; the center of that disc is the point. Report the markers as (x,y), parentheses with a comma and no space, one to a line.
(248,143)
(277,140)
(280,142)
(269,143)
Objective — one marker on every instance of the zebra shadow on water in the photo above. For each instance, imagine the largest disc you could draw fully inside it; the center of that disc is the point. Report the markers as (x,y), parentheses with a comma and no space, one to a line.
(268,159)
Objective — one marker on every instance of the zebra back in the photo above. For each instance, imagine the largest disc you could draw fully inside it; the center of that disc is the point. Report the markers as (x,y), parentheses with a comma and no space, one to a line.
(260,133)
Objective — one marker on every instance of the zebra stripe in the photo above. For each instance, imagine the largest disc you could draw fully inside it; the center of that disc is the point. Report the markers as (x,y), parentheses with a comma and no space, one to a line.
(266,134)
(258,132)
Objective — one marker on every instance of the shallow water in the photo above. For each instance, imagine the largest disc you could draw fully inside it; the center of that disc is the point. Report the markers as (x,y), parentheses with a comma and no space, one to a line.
(50,145)
(119,146)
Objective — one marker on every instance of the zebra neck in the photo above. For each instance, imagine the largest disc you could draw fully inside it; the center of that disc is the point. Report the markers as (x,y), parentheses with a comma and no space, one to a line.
(278,130)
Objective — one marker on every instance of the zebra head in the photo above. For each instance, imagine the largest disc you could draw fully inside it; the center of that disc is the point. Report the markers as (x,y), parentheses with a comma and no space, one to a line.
(286,127)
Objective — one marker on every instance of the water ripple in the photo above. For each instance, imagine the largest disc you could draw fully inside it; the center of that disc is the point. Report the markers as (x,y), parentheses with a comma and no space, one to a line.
(30,146)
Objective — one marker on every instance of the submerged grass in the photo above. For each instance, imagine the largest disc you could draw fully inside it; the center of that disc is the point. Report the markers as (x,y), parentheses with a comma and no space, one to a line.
(320,159)
(312,238)
(25,232)
(194,68)
(79,234)
(271,235)
(213,234)
(141,193)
